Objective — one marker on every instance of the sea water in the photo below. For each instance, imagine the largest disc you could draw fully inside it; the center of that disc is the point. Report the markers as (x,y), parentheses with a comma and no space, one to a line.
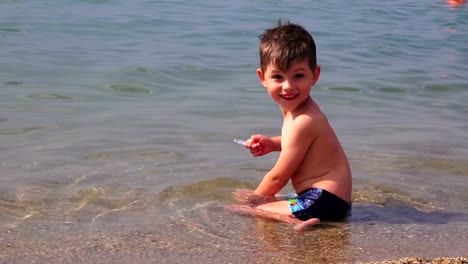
(119,117)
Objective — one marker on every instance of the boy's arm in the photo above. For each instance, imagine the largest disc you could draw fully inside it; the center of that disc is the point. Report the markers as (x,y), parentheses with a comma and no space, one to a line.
(300,136)
(277,141)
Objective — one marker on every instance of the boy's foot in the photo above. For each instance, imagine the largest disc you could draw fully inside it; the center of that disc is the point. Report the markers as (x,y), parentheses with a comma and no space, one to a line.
(304,225)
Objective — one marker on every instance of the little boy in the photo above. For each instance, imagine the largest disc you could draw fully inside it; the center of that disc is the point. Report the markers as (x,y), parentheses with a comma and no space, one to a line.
(311,155)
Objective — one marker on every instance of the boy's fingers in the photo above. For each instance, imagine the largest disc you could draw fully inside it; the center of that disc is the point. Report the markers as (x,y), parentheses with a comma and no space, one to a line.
(256,147)
(250,144)
(255,137)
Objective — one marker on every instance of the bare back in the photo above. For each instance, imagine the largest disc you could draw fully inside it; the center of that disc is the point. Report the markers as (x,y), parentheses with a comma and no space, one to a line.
(324,164)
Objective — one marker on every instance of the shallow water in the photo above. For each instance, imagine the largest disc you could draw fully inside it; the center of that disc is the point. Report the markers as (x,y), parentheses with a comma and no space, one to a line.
(117,118)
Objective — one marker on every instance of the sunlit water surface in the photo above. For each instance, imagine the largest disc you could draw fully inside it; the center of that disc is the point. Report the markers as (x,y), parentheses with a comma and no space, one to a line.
(117,120)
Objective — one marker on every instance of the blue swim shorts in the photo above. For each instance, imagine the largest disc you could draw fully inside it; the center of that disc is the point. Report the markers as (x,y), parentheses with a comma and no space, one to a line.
(319,203)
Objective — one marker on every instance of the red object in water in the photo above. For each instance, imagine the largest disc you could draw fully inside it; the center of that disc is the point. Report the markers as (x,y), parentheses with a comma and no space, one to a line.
(455,2)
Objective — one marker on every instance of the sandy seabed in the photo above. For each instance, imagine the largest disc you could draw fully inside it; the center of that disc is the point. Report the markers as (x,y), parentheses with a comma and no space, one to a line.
(149,248)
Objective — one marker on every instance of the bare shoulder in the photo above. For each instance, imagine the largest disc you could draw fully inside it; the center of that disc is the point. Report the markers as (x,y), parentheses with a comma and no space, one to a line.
(312,119)
(305,126)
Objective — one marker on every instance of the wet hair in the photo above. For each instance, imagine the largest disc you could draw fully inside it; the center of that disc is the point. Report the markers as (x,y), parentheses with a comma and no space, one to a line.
(284,43)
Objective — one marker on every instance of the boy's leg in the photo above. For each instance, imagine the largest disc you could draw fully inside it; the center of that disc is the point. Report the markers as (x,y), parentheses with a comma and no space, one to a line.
(245,209)
(282,208)
(278,210)
(279,207)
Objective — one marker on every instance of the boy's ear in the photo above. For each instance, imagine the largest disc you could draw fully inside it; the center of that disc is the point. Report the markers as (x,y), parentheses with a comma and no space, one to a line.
(261,77)
(316,74)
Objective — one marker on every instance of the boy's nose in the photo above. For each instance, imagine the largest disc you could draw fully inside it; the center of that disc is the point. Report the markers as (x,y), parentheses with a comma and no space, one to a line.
(287,85)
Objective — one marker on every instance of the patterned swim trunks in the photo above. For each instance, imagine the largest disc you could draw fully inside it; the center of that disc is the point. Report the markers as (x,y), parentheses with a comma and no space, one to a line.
(319,203)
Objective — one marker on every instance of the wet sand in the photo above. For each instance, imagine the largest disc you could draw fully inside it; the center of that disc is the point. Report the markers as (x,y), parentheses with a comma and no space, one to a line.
(347,243)
(445,260)
(142,248)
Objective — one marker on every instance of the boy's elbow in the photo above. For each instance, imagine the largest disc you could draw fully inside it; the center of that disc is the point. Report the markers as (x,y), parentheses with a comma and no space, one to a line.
(271,184)
(278,183)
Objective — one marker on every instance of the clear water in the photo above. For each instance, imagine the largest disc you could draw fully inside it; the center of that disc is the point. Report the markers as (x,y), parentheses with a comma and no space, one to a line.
(118,117)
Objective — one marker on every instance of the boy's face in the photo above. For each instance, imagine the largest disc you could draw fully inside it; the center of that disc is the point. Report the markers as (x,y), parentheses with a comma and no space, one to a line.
(289,89)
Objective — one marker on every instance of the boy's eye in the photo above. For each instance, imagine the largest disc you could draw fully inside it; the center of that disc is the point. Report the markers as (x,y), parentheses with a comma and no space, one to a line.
(299,75)
(277,76)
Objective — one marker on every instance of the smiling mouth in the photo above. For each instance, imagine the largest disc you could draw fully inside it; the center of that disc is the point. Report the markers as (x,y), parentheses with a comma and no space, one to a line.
(288,96)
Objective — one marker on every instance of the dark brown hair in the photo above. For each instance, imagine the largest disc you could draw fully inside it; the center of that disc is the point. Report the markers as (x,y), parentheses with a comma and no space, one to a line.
(284,43)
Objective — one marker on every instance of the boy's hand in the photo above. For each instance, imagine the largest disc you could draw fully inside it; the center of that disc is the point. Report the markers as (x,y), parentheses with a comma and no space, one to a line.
(259,145)
(247,197)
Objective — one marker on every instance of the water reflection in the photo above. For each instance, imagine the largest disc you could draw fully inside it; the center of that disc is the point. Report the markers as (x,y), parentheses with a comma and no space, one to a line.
(50,96)
(129,88)
(13,82)
(403,214)
(18,131)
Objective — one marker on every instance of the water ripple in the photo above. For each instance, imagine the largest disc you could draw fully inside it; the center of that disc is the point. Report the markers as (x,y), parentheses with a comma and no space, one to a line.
(129,88)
